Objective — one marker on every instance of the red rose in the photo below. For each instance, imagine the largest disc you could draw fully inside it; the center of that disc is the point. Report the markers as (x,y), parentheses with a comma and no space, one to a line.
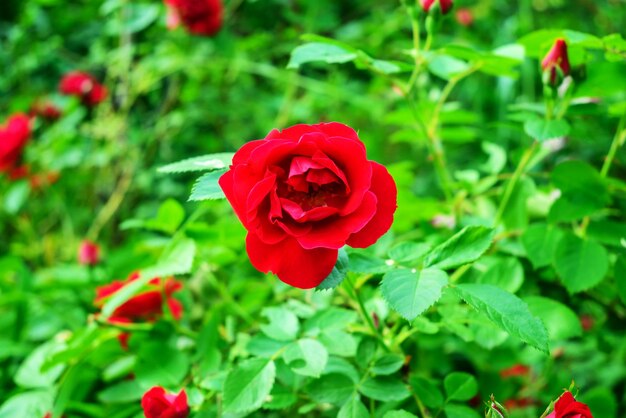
(156,403)
(305,192)
(556,58)
(567,407)
(13,137)
(147,305)
(444,5)
(200,17)
(84,86)
(88,253)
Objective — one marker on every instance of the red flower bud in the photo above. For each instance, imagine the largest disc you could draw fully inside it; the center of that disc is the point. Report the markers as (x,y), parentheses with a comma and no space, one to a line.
(444,5)
(516,370)
(156,403)
(13,137)
(83,86)
(200,17)
(88,253)
(45,109)
(556,58)
(567,407)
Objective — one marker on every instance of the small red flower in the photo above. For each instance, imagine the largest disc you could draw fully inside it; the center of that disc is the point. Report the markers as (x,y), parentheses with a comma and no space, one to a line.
(303,193)
(516,370)
(200,17)
(88,253)
(567,407)
(84,86)
(556,58)
(45,109)
(464,16)
(444,5)
(147,305)
(157,403)
(587,322)
(13,137)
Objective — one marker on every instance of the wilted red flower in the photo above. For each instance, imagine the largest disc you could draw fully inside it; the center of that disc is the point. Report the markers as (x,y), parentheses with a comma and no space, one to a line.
(147,305)
(45,109)
(556,58)
(305,192)
(444,5)
(516,370)
(200,17)
(13,137)
(464,16)
(84,86)
(88,253)
(157,403)
(567,407)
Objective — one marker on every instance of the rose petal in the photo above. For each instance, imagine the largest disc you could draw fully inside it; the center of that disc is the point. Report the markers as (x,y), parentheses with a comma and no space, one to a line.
(292,264)
(386,192)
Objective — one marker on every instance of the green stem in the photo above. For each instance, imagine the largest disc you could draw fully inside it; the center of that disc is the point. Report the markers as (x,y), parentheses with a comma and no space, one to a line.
(366,317)
(416,48)
(519,171)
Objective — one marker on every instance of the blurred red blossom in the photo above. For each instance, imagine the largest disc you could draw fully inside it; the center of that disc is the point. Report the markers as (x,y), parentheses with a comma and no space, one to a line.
(444,5)
(157,403)
(83,86)
(200,17)
(147,305)
(88,253)
(516,370)
(14,135)
(464,16)
(45,109)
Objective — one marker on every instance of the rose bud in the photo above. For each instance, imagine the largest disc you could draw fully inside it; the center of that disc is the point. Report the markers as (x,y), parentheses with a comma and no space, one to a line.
(147,305)
(567,407)
(444,5)
(464,16)
(200,17)
(45,109)
(84,86)
(556,63)
(13,137)
(303,193)
(156,403)
(88,253)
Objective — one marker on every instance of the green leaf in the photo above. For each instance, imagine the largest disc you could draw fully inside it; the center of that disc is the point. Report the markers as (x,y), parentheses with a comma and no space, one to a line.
(562,323)
(176,260)
(207,187)
(388,364)
(408,251)
(332,388)
(280,398)
(122,392)
(338,274)
(384,389)
(28,404)
(400,413)
(411,292)
(320,52)
(580,263)
(542,129)
(540,241)
(460,411)
(354,408)
(446,67)
(208,162)
(427,391)
(583,191)
(620,277)
(464,247)
(161,364)
(460,386)
(283,324)
(16,196)
(505,272)
(306,357)
(506,311)
(32,374)
(248,385)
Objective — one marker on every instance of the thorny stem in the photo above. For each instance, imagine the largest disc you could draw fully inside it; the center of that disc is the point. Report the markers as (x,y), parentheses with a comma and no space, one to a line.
(366,317)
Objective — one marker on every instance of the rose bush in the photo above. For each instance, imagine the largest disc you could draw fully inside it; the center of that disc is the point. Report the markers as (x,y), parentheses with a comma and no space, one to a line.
(304,192)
